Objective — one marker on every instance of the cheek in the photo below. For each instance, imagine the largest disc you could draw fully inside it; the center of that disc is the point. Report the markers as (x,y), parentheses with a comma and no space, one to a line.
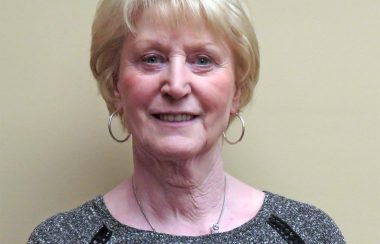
(220,91)
(217,96)
(135,95)
(136,89)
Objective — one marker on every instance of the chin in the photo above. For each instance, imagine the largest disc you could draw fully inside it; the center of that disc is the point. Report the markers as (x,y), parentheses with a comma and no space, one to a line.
(177,150)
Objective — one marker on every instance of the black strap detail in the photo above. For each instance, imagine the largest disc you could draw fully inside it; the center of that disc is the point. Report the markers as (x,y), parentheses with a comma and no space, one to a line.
(284,230)
(102,236)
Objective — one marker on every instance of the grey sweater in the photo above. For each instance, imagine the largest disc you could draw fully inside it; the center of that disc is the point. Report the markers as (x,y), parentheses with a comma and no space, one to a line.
(280,220)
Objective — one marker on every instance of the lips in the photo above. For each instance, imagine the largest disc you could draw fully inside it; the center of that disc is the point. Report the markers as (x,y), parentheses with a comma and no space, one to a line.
(174,117)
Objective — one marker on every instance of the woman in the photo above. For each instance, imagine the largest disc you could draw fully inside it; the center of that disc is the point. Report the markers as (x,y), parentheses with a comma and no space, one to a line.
(177,73)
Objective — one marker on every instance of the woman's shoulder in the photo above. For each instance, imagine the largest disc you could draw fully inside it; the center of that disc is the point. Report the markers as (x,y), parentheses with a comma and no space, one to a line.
(305,219)
(294,210)
(79,224)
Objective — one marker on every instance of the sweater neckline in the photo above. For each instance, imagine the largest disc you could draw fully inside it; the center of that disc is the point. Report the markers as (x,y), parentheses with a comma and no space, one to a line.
(113,223)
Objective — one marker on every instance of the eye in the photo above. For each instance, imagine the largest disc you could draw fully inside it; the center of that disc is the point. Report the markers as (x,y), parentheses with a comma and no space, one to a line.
(152,62)
(202,60)
(153,59)
(201,63)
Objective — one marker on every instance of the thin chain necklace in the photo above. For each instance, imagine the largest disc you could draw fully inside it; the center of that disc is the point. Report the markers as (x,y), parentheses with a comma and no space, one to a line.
(213,229)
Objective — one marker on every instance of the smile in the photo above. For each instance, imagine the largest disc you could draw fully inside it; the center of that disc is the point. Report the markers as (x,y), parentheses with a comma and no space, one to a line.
(174,117)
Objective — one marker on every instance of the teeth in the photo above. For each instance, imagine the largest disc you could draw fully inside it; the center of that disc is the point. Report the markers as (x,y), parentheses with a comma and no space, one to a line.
(175,117)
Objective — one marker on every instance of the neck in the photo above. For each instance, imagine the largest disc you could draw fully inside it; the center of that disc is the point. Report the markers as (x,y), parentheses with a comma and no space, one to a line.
(184,194)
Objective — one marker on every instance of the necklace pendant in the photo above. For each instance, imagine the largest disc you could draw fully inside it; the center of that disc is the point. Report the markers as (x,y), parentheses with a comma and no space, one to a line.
(214,228)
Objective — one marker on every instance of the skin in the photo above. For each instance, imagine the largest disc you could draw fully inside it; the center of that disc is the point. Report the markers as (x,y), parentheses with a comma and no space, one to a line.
(178,165)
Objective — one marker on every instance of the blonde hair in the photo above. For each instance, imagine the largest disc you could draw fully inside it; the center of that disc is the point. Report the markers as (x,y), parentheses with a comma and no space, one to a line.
(227,19)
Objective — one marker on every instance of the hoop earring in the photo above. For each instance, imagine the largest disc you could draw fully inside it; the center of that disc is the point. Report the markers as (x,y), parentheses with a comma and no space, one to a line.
(110,129)
(242,131)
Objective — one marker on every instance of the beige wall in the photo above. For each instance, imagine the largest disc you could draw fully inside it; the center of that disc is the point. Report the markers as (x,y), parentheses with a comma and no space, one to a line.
(312,131)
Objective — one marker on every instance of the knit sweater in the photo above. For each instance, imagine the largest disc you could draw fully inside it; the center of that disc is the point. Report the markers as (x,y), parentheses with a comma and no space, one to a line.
(280,220)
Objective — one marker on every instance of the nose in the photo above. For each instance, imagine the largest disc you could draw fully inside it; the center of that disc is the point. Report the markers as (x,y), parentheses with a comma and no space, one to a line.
(176,83)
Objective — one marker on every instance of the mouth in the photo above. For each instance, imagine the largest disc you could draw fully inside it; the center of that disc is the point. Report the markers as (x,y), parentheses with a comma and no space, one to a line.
(175,117)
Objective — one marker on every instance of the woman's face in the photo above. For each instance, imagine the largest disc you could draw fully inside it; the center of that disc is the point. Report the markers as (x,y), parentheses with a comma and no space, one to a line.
(176,89)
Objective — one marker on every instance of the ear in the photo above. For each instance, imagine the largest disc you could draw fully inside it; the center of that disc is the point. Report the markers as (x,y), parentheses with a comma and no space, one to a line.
(235,106)
(117,101)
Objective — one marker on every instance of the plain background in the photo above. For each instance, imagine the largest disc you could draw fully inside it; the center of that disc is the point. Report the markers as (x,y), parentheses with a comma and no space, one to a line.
(312,128)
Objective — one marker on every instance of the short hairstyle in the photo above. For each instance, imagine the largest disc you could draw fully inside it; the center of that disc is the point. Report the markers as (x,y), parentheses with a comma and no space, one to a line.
(226,19)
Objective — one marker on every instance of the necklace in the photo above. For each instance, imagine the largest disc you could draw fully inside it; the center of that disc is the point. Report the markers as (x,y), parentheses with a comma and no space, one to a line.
(213,229)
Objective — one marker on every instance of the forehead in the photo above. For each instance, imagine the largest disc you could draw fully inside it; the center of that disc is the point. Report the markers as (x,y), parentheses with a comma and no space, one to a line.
(149,23)
(152,26)
(154,34)
(174,18)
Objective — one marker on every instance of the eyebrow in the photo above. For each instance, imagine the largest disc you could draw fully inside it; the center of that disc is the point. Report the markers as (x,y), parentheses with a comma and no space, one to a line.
(147,42)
